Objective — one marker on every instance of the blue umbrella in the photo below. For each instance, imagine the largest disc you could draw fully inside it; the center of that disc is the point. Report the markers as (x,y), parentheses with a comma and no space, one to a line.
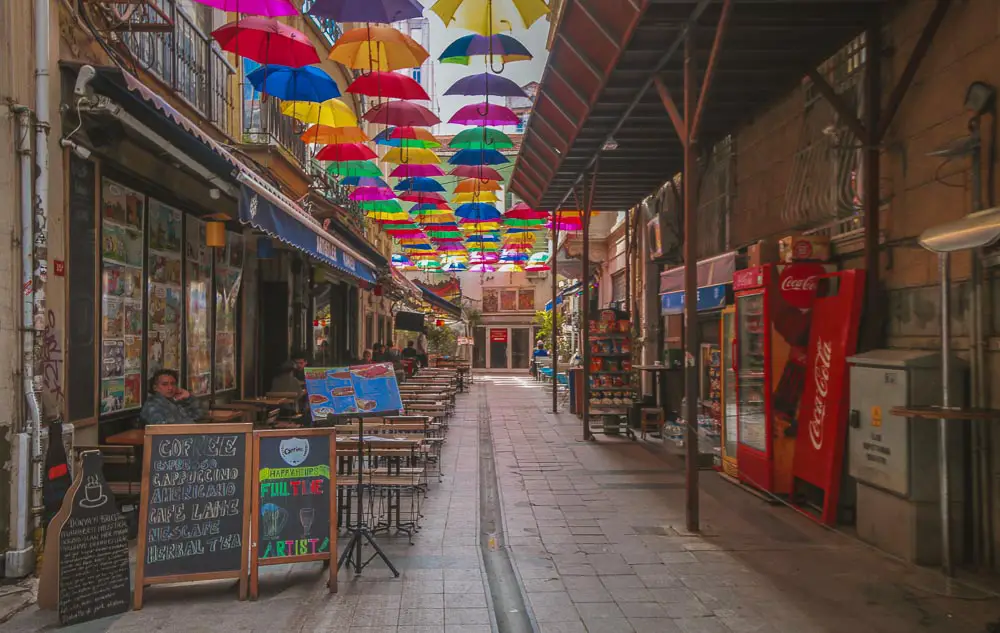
(483,238)
(425,185)
(478,157)
(478,211)
(503,46)
(308,83)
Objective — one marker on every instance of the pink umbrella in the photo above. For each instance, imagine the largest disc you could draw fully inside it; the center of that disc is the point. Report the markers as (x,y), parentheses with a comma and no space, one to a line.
(422,197)
(345,152)
(388,84)
(480,172)
(269,8)
(266,41)
(401,114)
(484,114)
(416,171)
(367,194)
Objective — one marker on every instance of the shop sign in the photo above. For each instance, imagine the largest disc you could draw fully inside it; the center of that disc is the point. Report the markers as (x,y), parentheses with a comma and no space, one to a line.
(822,414)
(709,298)
(798,284)
(498,336)
(464,340)
(349,262)
(326,248)
(749,278)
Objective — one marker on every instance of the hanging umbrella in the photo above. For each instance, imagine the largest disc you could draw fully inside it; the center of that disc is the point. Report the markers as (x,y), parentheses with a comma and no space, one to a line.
(484,114)
(308,83)
(268,8)
(384,217)
(379,11)
(346,152)
(416,171)
(430,208)
(490,16)
(399,260)
(388,84)
(521,211)
(503,46)
(421,197)
(377,48)
(372,193)
(479,211)
(331,113)
(419,184)
(478,172)
(429,264)
(387,206)
(478,157)
(510,268)
(470,185)
(481,138)
(407,137)
(364,181)
(485,85)
(449,247)
(266,41)
(455,267)
(401,113)
(479,196)
(413,155)
(479,257)
(354,168)
(324,135)
(482,268)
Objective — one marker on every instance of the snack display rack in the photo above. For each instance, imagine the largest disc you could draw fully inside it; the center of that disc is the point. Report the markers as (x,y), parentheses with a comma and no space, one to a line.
(612,381)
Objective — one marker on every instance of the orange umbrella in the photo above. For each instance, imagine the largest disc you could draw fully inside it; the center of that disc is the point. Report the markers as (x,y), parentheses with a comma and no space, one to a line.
(378,48)
(326,135)
(474,185)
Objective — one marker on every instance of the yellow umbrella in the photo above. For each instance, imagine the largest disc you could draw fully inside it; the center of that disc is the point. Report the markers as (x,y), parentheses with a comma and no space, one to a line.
(488,17)
(474,184)
(483,196)
(411,156)
(331,113)
(325,135)
(378,48)
(387,216)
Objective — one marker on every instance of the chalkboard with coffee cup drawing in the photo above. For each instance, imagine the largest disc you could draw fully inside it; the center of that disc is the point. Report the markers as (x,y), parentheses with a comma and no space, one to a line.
(194,520)
(85,571)
(294,500)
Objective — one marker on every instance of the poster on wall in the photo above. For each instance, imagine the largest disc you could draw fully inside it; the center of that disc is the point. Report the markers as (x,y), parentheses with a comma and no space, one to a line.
(359,389)
(228,276)
(164,290)
(122,217)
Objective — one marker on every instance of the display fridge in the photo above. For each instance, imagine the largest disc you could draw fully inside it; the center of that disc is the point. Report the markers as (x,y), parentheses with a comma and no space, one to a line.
(730,435)
(752,340)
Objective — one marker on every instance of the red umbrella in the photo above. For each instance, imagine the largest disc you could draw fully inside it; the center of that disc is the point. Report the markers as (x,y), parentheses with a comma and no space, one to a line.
(401,113)
(422,197)
(266,41)
(476,171)
(521,211)
(346,151)
(388,84)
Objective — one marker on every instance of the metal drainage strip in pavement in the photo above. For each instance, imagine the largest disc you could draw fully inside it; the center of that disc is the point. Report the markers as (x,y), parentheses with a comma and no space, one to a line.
(505,592)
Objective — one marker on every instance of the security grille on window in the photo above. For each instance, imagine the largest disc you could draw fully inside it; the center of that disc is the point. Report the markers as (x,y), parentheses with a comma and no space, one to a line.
(618,287)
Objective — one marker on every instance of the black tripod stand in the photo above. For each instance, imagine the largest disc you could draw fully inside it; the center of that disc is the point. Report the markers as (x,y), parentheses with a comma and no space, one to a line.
(361,533)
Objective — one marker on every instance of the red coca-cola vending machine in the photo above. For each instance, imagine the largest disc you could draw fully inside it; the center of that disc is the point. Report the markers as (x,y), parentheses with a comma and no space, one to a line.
(773,315)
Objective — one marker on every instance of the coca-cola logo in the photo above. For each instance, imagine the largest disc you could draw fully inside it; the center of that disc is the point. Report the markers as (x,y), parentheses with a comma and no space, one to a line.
(803,249)
(821,377)
(798,284)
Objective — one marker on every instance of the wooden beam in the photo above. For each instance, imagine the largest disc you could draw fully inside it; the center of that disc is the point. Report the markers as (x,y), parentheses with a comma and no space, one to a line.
(912,65)
(671,106)
(594,70)
(598,25)
(547,166)
(559,135)
(848,116)
(555,104)
(576,93)
(706,81)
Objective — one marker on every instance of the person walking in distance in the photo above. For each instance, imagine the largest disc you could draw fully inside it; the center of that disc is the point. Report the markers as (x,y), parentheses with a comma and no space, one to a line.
(422,347)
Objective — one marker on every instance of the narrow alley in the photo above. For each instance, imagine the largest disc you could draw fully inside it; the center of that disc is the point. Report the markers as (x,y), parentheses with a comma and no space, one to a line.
(594,534)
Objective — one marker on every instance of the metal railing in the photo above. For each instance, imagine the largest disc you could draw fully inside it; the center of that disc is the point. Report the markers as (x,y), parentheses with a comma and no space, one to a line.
(183,57)
(264,124)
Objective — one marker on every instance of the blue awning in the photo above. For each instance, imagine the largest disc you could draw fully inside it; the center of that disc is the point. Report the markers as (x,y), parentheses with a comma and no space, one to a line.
(438,302)
(263,215)
(566,291)
(709,298)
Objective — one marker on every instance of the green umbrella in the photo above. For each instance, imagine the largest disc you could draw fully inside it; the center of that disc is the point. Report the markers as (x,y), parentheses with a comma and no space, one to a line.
(523,223)
(481,138)
(385,206)
(360,168)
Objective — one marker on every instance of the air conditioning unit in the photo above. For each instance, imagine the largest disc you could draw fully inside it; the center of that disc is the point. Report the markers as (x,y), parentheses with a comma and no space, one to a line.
(541,274)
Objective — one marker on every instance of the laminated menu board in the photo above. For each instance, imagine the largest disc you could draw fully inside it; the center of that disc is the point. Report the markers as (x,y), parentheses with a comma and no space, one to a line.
(86,576)
(294,500)
(358,389)
(193,523)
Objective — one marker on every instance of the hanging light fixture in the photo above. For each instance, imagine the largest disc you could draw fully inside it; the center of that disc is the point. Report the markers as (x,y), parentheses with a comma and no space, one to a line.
(215,234)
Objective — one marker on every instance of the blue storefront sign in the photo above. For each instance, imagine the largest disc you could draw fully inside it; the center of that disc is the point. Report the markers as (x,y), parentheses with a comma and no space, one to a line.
(709,298)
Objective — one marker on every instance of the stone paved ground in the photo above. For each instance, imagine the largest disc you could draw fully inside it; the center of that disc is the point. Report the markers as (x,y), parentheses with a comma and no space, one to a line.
(595,531)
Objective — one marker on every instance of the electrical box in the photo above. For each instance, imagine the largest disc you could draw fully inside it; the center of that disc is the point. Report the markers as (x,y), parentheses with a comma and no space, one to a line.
(894,460)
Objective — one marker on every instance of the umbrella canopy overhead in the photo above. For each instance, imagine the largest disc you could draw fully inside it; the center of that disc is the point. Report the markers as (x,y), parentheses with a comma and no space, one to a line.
(377,48)
(490,16)
(473,185)
(481,138)
(268,8)
(478,157)
(503,46)
(419,184)
(346,152)
(412,155)
(372,193)
(401,113)
(479,172)
(407,137)
(308,83)
(522,211)
(379,11)
(331,113)
(388,84)
(416,171)
(366,181)
(478,211)
(485,85)
(475,196)
(485,114)
(325,135)
(266,41)
(354,168)
(383,206)
(421,197)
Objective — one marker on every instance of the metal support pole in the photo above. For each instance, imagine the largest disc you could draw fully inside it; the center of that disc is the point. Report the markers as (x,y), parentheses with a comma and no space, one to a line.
(555,315)
(945,273)
(690,294)
(628,264)
(585,308)
(872,176)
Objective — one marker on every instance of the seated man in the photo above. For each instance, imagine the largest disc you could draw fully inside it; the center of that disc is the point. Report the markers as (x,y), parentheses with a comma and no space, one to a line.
(167,403)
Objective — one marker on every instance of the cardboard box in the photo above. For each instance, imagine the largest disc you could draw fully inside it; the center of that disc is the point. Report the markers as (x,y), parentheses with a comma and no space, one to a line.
(762,252)
(804,248)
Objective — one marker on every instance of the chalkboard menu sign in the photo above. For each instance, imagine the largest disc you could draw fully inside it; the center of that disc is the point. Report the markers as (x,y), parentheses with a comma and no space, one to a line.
(294,501)
(93,569)
(81,279)
(194,523)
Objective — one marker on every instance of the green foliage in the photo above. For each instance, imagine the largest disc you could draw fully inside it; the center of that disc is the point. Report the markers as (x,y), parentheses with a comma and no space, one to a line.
(442,340)
(544,321)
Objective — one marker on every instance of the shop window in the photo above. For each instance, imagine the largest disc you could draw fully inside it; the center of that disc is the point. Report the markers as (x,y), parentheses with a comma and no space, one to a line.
(508,300)
(199,280)
(163,336)
(618,287)
(526,299)
(228,278)
(491,301)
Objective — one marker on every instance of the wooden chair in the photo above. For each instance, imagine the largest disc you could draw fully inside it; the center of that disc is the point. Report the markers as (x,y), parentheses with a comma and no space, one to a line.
(651,417)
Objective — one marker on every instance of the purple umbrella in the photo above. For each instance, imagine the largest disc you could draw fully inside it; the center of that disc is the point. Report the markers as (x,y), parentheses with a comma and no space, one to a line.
(267,8)
(484,114)
(379,11)
(368,194)
(485,84)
